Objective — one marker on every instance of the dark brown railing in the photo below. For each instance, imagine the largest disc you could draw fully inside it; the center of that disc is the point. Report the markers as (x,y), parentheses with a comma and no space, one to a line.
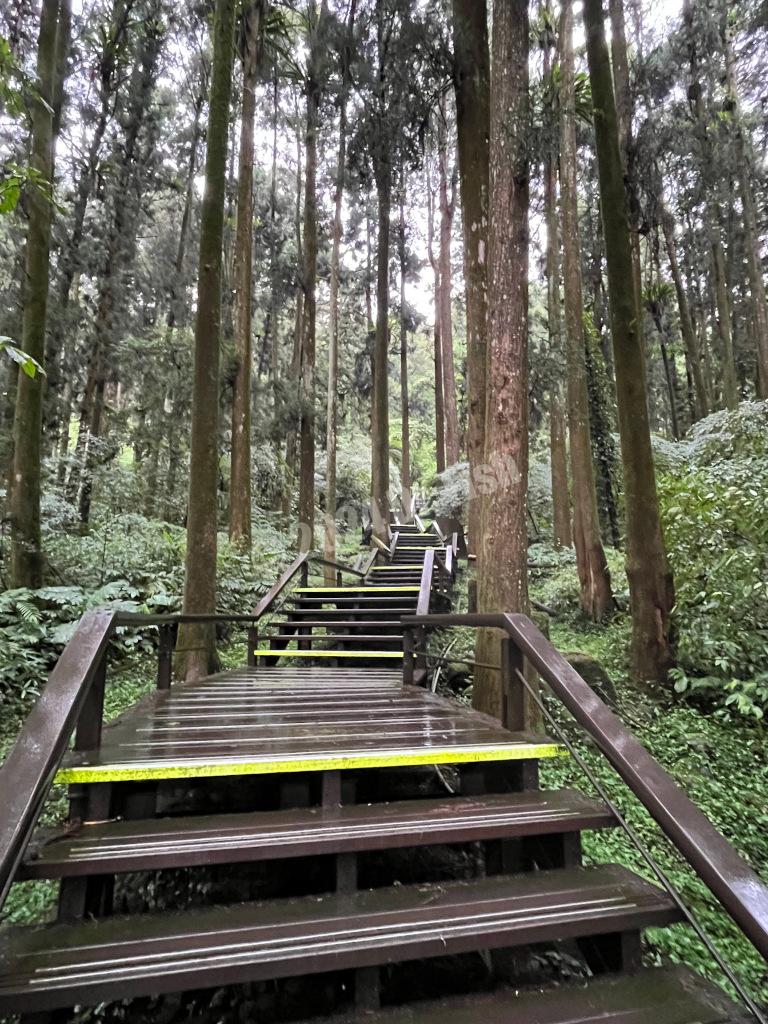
(725,873)
(73,696)
(72,701)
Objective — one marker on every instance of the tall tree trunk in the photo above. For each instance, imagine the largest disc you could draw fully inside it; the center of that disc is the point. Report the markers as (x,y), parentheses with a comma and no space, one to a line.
(594,579)
(447,207)
(306,537)
(730,387)
(624,111)
(405,466)
(503,572)
(291,444)
(561,504)
(650,578)
(473,95)
(59,347)
(752,245)
(382,165)
(274,307)
(701,401)
(131,159)
(196,655)
(332,407)
(24,496)
(240,472)
(437,337)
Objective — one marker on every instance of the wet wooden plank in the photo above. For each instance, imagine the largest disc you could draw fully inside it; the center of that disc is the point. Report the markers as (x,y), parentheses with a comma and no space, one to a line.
(257,721)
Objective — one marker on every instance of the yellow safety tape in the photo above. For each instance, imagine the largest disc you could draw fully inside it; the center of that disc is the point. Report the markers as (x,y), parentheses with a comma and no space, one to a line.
(138,772)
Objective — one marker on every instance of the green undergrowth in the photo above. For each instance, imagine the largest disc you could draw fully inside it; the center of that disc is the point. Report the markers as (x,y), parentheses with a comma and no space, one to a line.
(718,760)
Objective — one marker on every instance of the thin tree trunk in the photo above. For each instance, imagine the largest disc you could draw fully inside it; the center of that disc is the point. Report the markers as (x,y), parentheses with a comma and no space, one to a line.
(438,345)
(382,162)
(745,164)
(561,504)
(594,578)
(306,537)
(332,406)
(195,647)
(24,496)
(405,467)
(650,578)
(503,573)
(274,333)
(240,472)
(447,200)
(701,401)
(473,95)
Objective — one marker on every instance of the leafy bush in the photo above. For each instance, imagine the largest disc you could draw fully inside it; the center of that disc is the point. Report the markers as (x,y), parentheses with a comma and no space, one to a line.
(716,527)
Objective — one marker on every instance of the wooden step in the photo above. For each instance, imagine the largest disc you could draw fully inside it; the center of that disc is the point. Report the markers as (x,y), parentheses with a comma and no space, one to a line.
(295,653)
(341,624)
(230,838)
(115,958)
(294,612)
(355,638)
(365,600)
(670,995)
(351,591)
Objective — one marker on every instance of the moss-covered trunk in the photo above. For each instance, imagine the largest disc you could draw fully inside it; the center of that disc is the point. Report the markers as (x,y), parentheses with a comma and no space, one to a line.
(650,578)
(195,647)
(24,491)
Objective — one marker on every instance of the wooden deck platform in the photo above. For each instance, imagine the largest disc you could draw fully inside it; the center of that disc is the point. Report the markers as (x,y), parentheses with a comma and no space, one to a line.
(252,721)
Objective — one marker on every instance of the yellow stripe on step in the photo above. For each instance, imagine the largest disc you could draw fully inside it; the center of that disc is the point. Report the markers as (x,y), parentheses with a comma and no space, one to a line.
(399,758)
(326,654)
(395,568)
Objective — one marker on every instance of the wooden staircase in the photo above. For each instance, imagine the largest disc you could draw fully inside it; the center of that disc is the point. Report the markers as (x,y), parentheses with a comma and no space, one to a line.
(339,763)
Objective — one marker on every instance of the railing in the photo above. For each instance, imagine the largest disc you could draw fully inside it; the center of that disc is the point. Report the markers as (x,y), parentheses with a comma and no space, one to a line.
(73,697)
(740,891)
(72,701)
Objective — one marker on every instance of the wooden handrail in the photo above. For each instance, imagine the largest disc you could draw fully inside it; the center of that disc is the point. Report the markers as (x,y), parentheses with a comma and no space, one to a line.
(425,586)
(29,769)
(319,560)
(725,873)
(393,545)
(419,523)
(274,592)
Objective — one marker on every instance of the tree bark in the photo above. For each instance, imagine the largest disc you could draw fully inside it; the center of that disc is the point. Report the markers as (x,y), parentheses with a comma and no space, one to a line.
(332,407)
(24,491)
(594,579)
(195,647)
(240,471)
(306,536)
(447,200)
(561,503)
(650,578)
(473,95)
(382,162)
(405,466)
(701,400)
(745,164)
(503,573)
(437,339)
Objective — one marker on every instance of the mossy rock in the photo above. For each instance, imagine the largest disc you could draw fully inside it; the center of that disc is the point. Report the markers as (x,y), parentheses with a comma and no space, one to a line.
(593,673)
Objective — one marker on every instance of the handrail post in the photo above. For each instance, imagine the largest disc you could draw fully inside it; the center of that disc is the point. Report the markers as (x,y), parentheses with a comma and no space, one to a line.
(88,737)
(304,573)
(408,661)
(253,643)
(513,703)
(165,656)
